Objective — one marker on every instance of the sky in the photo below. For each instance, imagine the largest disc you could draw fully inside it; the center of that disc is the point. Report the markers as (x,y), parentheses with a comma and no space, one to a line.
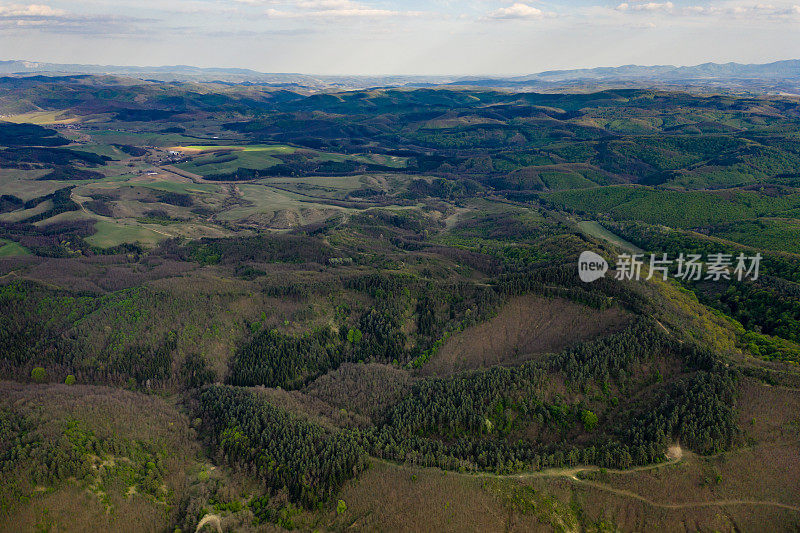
(384,37)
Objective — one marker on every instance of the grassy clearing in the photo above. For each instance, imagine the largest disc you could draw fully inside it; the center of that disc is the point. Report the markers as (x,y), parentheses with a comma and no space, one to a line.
(225,159)
(322,187)
(113,233)
(205,165)
(388,160)
(557,181)
(10,175)
(594,229)
(23,184)
(526,326)
(12,249)
(41,118)
(25,214)
(266,200)
(369,159)
(67,216)
(187,188)
(228,159)
(387,497)
(103,149)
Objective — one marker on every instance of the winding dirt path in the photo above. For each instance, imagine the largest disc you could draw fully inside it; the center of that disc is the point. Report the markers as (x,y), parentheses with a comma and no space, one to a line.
(196,178)
(674,456)
(685,505)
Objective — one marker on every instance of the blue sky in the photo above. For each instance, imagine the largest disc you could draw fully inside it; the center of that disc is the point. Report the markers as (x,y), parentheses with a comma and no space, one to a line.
(399,37)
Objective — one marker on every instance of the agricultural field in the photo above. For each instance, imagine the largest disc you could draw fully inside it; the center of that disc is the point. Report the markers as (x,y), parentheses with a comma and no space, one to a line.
(233,308)
(227,159)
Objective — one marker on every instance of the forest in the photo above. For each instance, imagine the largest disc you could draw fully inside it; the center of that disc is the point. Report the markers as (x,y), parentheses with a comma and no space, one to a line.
(270,309)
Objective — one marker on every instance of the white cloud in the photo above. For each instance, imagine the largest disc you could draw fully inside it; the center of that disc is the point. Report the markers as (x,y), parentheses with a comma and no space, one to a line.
(519,11)
(46,19)
(334,13)
(792,11)
(734,8)
(330,5)
(321,9)
(649,6)
(29,10)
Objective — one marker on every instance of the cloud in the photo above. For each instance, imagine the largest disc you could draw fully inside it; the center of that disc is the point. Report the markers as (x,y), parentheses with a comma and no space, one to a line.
(30,10)
(335,13)
(43,18)
(519,11)
(649,6)
(331,5)
(328,9)
(719,9)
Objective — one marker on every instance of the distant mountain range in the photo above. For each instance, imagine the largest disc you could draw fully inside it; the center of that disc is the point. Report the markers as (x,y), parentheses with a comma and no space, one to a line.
(232,75)
(778,69)
(777,76)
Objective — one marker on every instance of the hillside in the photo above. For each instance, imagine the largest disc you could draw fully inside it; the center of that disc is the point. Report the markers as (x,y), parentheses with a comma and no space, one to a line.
(247,308)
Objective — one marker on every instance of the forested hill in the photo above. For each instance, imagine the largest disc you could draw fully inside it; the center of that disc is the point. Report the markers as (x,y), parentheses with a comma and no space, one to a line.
(262,308)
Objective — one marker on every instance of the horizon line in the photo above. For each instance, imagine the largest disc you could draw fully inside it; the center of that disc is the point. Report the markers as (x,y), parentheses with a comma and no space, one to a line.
(450,75)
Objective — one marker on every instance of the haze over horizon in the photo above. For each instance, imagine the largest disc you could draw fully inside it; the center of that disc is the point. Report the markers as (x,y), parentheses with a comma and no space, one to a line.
(177,68)
(384,37)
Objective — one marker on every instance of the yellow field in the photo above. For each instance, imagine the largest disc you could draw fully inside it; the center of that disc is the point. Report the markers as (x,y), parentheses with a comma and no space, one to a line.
(41,118)
(277,148)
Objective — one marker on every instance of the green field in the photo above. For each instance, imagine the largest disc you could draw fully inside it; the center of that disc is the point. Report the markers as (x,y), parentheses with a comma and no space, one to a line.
(370,159)
(205,165)
(256,157)
(188,188)
(39,117)
(595,229)
(226,159)
(104,149)
(557,181)
(24,214)
(12,249)
(110,234)
(265,200)
(23,184)
(321,187)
